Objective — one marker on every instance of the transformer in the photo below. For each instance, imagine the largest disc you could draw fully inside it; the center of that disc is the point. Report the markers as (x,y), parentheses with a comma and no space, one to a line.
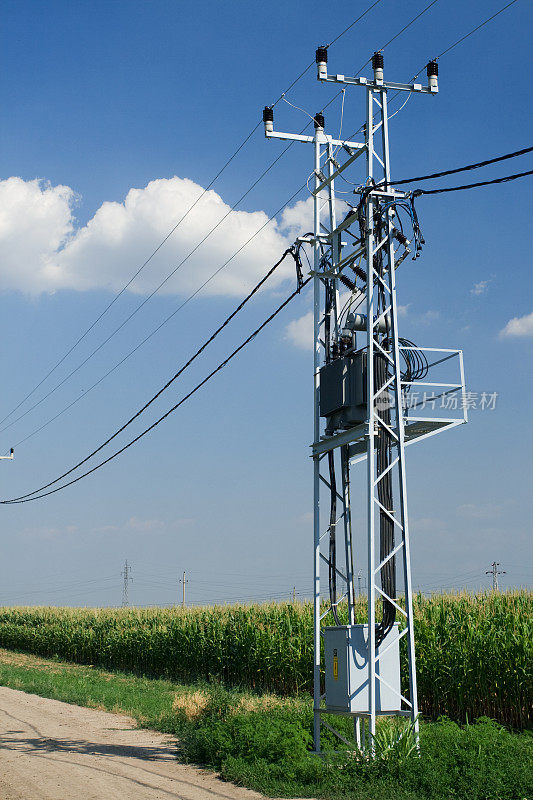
(343,392)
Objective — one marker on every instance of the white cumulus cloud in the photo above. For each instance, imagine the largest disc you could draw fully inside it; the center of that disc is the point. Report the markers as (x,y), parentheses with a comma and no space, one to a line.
(36,219)
(44,250)
(518,327)
(299,332)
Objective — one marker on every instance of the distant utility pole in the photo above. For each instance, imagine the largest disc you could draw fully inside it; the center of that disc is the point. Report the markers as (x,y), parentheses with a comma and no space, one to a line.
(126,574)
(294,594)
(359,582)
(183,581)
(494,571)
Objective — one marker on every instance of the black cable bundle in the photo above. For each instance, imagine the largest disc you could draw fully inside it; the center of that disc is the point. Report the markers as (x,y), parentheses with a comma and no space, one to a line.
(384,458)
(416,363)
(332,560)
(386,525)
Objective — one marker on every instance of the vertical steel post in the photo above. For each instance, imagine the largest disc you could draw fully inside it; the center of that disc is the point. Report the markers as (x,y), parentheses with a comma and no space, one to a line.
(316,459)
(335,243)
(369,210)
(399,430)
(345,466)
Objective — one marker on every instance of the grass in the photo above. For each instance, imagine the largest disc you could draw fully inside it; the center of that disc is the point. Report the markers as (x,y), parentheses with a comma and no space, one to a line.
(262,740)
(474,651)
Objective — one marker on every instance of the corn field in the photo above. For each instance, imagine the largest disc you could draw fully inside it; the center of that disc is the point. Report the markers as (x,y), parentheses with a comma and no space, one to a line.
(474,651)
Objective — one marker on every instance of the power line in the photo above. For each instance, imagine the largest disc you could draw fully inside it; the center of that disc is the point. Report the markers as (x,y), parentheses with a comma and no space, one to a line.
(176,375)
(506,179)
(167,237)
(161,324)
(126,285)
(477,165)
(383,47)
(26,499)
(167,319)
(349,27)
(395,183)
(477,28)
(408,25)
(445,52)
(149,297)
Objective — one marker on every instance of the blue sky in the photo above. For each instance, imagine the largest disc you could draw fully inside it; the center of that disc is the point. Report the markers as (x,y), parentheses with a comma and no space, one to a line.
(115,116)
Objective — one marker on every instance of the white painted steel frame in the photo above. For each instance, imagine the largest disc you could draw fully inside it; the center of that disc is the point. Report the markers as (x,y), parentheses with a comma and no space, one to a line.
(326,169)
(323,152)
(378,171)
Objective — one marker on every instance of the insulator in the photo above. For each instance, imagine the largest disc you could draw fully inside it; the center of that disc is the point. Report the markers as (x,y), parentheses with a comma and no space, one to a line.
(268,119)
(321,56)
(377,66)
(319,121)
(432,70)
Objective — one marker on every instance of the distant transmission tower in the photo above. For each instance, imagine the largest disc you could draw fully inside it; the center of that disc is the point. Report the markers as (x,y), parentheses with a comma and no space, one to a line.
(126,574)
(494,571)
(183,582)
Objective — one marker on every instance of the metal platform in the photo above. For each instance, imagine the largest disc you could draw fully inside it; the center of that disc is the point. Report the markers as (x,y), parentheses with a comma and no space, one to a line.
(415,428)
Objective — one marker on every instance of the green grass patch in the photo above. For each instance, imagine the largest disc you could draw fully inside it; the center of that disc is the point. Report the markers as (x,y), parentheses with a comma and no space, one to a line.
(263,741)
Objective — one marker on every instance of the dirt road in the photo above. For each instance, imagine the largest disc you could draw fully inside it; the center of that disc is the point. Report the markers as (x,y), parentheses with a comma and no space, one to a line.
(55,751)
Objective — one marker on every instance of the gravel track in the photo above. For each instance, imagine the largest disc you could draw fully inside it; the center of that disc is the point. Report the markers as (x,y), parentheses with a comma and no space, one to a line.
(51,750)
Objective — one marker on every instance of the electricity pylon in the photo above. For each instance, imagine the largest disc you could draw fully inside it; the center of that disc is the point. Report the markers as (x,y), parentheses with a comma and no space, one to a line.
(126,574)
(183,582)
(494,571)
(373,372)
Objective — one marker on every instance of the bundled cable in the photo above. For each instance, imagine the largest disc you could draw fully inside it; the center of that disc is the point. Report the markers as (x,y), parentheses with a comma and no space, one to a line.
(505,179)
(385,497)
(416,363)
(466,168)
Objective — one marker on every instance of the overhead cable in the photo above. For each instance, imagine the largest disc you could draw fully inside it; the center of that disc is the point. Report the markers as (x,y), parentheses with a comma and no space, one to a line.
(477,165)
(444,52)
(152,293)
(156,329)
(290,251)
(477,28)
(505,179)
(383,47)
(168,318)
(130,281)
(170,233)
(27,499)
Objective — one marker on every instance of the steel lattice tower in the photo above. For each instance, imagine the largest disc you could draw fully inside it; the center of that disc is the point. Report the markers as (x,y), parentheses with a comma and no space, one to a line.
(379,438)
